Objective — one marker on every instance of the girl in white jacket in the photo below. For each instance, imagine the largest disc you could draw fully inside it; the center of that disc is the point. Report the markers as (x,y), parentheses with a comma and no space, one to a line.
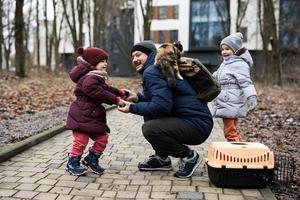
(238,94)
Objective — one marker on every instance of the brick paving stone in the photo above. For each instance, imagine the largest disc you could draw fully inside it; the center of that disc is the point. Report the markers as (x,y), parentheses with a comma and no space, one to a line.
(60,190)
(126,194)
(109,194)
(47,181)
(210,190)
(46,196)
(27,186)
(230,197)
(10,179)
(63,177)
(121,182)
(86,179)
(183,188)
(26,174)
(251,192)
(162,195)
(211,196)
(145,188)
(139,182)
(7,192)
(28,180)
(77,185)
(159,182)
(162,188)
(143,195)
(40,175)
(25,194)
(132,187)
(86,192)
(44,188)
(82,198)
(8,173)
(190,195)
(93,186)
(64,197)
(232,191)
(8,185)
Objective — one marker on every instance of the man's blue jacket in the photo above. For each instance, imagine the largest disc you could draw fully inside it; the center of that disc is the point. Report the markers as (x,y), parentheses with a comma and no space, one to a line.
(159,101)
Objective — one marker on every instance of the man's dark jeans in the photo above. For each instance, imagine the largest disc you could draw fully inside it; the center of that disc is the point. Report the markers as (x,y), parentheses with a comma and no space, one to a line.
(169,136)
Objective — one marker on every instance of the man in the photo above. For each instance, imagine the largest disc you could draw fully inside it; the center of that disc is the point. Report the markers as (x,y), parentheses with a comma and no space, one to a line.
(173,118)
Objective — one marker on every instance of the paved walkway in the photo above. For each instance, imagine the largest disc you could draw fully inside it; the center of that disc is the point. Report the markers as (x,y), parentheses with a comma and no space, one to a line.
(38,173)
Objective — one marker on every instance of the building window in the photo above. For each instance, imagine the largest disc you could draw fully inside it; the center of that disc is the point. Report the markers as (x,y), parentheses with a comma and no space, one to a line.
(161,37)
(162,13)
(208,23)
(289,23)
(176,12)
(174,36)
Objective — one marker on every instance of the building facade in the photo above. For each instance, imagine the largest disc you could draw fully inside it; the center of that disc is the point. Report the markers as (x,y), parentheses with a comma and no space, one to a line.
(201,24)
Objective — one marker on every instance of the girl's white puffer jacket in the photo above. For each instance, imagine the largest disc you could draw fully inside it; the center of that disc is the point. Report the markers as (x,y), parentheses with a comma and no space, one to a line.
(236,84)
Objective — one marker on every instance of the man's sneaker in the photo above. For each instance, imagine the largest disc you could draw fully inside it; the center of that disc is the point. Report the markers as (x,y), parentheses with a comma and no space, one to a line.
(155,163)
(187,165)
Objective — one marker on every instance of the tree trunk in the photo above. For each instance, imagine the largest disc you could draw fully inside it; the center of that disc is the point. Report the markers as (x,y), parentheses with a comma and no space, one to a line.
(272,73)
(19,46)
(1,32)
(47,40)
(28,58)
(37,36)
(241,12)
(147,18)
(100,16)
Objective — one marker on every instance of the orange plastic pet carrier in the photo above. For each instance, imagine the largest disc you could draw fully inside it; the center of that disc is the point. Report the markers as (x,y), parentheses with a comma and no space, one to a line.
(240,164)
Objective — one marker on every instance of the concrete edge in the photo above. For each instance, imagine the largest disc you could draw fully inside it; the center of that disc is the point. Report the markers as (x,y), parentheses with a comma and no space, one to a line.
(13,149)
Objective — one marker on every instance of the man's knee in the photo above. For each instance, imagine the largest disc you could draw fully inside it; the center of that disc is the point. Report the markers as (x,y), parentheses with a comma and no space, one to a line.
(148,130)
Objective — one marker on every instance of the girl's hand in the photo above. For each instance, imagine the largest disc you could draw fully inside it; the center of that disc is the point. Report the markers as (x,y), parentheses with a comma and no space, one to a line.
(124,106)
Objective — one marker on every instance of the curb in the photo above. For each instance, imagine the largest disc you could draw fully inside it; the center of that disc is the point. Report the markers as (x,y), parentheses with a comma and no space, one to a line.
(13,149)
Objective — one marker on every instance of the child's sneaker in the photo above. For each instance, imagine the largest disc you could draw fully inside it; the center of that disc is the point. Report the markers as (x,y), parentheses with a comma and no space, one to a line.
(73,166)
(155,163)
(187,165)
(92,161)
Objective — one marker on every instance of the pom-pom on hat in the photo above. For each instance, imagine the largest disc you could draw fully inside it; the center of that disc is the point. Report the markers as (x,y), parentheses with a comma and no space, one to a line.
(92,55)
(146,47)
(233,41)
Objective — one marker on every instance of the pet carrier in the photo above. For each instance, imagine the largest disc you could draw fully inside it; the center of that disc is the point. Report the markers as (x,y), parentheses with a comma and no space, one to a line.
(240,164)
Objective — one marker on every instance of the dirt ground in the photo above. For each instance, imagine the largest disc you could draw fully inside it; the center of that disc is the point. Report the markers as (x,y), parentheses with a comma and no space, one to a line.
(33,104)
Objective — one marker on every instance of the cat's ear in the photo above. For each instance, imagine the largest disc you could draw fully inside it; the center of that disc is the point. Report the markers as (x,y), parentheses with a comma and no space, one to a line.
(178,45)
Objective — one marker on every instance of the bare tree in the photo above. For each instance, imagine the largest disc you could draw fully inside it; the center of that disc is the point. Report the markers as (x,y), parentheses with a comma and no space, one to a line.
(241,12)
(8,34)
(19,46)
(88,19)
(272,72)
(72,19)
(37,36)
(56,36)
(1,32)
(100,22)
(147,12)
(48,42)
(27,27)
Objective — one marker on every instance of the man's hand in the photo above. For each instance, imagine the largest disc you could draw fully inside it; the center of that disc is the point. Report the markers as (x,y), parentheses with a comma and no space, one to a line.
(251,102)
(124,106)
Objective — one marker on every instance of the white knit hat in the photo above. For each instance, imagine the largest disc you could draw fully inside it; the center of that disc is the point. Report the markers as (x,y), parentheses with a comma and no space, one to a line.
(233,41)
